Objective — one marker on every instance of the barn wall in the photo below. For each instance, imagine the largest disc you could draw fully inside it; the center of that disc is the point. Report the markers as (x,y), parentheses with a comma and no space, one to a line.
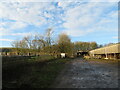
(109,49)
(112,51)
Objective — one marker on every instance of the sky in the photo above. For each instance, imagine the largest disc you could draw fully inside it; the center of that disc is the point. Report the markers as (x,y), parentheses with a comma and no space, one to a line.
(82,21)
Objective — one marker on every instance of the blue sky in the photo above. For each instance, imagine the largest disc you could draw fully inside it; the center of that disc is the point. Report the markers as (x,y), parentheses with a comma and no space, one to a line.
(82,21)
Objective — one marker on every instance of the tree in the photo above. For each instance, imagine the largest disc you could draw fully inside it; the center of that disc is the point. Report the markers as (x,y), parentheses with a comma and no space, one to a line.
(85,46)
(15,44)
(99,46)
(28,40)
(20,46)
(64,44)
(49,33)
(38,42)
(93,45)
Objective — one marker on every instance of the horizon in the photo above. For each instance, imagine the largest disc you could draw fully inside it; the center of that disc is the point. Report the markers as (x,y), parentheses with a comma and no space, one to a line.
(82,21)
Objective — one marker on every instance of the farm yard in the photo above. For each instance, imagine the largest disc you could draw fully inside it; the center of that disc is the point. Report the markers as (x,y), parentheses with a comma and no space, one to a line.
(31,72)
(83,70)
(59,44)
(90,73)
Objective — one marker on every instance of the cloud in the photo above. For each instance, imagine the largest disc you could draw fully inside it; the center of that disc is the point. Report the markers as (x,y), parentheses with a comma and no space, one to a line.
(59,0)
(76,18)
(116,37)
(18,15)
(22,14)
(76,33)
(9,27)
(6,40)
(29,13)
(18,25)
(18,34)
(21,34)
(90,17)
(3,31)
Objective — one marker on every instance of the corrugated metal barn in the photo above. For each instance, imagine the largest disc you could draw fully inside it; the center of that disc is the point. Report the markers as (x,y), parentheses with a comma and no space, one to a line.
(108,52)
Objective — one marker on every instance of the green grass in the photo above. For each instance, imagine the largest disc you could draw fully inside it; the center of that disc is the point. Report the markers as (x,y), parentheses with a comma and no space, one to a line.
(32,72)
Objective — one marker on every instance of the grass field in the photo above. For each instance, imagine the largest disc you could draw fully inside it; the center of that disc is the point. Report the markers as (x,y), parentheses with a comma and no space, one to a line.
(31,72)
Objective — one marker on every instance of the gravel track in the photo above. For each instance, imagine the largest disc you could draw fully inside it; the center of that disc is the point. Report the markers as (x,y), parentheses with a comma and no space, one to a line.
(81,73)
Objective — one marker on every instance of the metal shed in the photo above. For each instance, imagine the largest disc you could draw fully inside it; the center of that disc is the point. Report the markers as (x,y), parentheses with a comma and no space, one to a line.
(107,52)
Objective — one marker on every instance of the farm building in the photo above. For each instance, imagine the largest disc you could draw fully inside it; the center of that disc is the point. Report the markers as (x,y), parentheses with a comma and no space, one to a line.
(82,53)
(13,52)
(8,52)
(107,52)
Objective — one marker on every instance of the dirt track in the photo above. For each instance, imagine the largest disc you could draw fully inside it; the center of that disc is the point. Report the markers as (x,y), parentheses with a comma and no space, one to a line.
(82,73)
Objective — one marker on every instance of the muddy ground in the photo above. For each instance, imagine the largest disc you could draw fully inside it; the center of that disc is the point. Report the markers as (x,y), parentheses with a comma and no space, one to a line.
(81,73)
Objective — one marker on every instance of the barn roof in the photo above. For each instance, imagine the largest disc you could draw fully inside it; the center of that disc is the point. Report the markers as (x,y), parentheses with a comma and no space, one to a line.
(115,48)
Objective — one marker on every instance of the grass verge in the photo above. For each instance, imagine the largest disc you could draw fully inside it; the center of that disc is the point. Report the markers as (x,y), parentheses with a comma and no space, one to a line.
(107,61)
(32,72)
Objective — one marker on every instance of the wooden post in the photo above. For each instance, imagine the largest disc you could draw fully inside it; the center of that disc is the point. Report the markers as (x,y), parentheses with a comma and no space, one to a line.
(106,54)
(114,56)
(93,54)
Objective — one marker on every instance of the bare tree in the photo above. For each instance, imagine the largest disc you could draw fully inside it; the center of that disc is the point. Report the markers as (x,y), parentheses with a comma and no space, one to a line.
(49,33)
(38,42)
(20,46)
(28,40)
(15,44)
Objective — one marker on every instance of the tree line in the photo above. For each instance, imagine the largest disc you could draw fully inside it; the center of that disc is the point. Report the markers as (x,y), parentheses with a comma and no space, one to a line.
(45,44)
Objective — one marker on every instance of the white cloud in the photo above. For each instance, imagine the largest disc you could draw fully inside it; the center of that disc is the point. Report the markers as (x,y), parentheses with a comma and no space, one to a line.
(30,13)
(3,31)
(59,0)
(6,40)
(8,27)
(16,15)
(79,20)
(80,16)
(17,34)
(104,1)
(76,33)
(63,4)
(21,34)
(17,25)
(116,37)
(89,17)
(113,15)
(48,15)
